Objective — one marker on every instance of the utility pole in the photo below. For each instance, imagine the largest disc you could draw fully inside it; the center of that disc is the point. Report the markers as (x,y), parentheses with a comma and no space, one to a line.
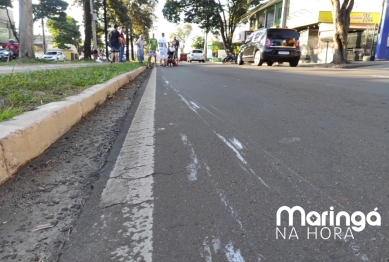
(94,18)
(43,37)
(283,14)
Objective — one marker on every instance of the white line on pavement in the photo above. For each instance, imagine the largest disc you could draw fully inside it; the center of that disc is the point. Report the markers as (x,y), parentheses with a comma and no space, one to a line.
(131,182)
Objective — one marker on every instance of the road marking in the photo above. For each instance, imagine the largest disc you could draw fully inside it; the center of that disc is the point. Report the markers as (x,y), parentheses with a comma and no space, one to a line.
(380,76)
(131,182)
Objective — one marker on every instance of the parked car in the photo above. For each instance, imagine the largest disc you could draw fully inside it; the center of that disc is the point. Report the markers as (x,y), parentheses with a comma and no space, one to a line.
(196,55)
(3,58)
(54,56)
(271,45)
(183,57)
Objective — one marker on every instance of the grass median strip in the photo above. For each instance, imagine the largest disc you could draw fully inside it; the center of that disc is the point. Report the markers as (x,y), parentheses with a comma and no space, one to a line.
(21,92)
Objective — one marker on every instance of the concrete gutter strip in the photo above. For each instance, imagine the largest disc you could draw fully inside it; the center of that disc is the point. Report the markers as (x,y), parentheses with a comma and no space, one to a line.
(30,134)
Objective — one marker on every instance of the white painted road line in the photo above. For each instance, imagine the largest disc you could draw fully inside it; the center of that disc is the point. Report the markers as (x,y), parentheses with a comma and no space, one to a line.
(131,182)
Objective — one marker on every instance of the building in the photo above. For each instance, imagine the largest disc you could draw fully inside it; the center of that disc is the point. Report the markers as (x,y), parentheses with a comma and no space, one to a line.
(313,20)
(5,26)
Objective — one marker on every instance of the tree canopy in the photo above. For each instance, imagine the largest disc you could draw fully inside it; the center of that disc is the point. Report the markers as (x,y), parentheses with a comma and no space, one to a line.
(209,14)
(198,42)
(64,32)
(182,33)
(52,9)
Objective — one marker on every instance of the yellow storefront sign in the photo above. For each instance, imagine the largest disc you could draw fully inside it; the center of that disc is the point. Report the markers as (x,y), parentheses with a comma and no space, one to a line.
(4,33)
(355,17)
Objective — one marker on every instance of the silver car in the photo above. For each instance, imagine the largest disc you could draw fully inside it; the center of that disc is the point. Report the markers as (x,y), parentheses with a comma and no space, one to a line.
(55,56)
(196,55)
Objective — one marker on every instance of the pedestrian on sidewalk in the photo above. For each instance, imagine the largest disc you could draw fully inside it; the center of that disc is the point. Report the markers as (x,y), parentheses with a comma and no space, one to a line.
(162,50)
(122,42)
(153,50)
(114,44)
(139,43)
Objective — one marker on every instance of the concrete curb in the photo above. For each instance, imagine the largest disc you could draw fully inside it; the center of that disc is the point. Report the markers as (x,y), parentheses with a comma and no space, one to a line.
(30,134)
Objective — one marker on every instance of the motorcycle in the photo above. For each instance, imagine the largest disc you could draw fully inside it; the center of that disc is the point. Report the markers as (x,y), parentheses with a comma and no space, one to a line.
(9,55)
(230,58)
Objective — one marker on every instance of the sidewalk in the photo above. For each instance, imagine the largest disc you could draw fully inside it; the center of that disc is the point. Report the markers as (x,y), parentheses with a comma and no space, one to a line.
(353,64)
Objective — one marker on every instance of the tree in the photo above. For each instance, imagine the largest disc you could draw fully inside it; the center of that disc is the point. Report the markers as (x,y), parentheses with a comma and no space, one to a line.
(216,46)
(182,34)
(26,21)
(210,14)
(198,42)
(341,20)
(4,4)
(64,32)
(52,9)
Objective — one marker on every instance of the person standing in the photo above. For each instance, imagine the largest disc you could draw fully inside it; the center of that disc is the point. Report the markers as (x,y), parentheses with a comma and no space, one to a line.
(114,44)
(153,50)
(139,43)
(12,47)
(122,42)
(176,45)
(162,50)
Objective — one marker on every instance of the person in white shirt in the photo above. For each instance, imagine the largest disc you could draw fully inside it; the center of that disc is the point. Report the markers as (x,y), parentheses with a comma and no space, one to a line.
(162,50)
(139,43)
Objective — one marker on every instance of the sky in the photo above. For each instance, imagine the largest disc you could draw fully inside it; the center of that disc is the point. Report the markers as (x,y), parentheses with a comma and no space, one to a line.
(160,26)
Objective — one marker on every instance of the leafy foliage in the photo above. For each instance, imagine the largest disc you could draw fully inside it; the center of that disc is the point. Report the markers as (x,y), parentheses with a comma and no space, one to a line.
(5,3)
(209,14)
(52,9)
(182,33)
(64,32)
(198,42)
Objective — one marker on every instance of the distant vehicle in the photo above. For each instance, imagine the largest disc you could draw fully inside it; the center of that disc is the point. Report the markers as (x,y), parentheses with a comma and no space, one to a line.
(183,57)
(271,45)
(55,56)
(3,58)
(196,55)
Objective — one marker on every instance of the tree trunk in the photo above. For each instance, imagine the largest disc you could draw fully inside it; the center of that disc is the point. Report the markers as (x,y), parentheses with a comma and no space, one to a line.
(26,31)
(132,44)
(127,44)
(341,20)
(88,30)
(43,37)
(12,26)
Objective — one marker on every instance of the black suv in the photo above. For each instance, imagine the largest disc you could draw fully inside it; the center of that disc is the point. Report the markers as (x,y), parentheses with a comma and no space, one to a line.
(271,45)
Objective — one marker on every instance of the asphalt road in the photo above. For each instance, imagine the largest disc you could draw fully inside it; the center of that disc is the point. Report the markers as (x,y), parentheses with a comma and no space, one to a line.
(215,150)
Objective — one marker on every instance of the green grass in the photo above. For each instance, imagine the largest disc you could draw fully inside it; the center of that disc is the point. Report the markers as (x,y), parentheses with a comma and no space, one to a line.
(25,91)
(19,62)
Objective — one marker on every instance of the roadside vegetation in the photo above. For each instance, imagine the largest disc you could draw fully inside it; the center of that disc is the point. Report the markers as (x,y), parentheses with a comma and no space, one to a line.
(21,92)
(21,62)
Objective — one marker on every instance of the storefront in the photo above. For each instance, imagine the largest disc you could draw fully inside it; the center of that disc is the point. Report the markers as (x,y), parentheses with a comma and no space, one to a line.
(313,19)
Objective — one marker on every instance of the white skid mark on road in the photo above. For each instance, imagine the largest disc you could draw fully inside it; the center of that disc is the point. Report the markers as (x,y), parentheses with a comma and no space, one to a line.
(191,107)
(217,244)
(230,209)
(194,105)
(232,254)
(238,155)
(194,165)
(130,185)
(206,252)
(237,143)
